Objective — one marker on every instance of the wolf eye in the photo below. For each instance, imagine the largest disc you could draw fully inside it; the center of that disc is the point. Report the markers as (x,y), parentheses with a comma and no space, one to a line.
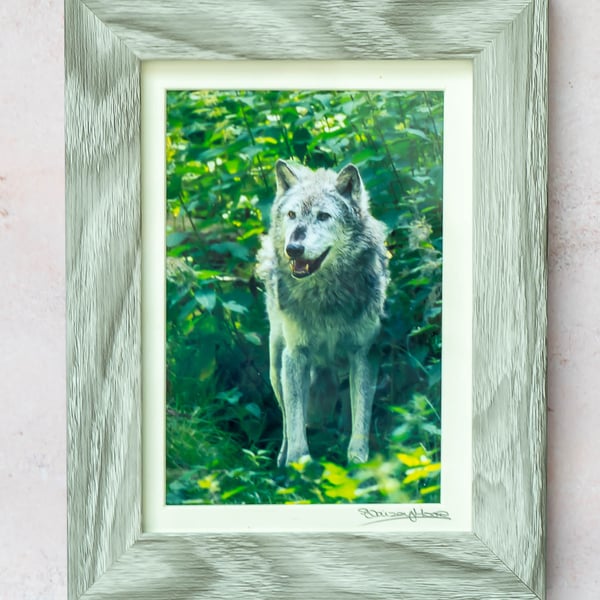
(323,216)
(292,214)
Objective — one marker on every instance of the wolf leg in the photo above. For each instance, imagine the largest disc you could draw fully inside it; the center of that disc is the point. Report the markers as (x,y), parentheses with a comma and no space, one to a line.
(276,346)
(363,378)
(295,380)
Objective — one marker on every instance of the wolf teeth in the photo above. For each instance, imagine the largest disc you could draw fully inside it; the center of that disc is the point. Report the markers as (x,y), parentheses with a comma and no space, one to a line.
(304,269)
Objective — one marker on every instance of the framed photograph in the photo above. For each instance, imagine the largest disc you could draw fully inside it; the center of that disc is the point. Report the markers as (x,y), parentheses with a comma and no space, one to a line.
(216,208)
(306,299)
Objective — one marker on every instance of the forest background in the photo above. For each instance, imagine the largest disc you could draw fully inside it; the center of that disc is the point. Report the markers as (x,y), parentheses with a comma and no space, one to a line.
(223,422)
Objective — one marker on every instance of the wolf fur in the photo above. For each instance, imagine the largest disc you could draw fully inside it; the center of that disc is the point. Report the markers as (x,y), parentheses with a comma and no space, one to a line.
(324,264)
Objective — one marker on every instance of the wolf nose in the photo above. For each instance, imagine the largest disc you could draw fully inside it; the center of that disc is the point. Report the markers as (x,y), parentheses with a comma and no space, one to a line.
(294,250)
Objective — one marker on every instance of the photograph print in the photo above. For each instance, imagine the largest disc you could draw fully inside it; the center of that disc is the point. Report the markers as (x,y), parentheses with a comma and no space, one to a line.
(304,296)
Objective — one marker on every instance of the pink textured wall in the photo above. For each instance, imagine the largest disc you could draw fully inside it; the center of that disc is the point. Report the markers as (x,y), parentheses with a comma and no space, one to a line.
(32,316)
(573,302)
(32,298)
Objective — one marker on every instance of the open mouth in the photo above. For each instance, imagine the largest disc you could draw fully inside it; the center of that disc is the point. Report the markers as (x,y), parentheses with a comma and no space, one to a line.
(302,267)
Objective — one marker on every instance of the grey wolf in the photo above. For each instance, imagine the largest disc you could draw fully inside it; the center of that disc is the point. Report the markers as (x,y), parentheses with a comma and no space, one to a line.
(324,264)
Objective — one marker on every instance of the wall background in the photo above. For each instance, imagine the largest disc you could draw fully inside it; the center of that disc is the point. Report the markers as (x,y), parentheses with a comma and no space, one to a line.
(32,316)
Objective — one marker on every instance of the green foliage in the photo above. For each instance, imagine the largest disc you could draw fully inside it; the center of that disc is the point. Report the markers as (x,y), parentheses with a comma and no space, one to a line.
(223,423)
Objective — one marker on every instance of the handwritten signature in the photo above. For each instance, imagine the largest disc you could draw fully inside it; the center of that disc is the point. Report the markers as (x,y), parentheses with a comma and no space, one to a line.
(413,515)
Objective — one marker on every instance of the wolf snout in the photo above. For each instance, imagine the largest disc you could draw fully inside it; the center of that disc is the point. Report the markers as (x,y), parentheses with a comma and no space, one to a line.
(294,250)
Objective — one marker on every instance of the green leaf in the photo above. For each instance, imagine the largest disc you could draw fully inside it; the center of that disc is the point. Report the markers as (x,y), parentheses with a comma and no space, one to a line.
(207,274)
(187,309)
(417,132)
(232,396)
(364,155)
(253,409)
(421,472)
(418,281)
(409,460)
(233,306)
(230,493)
(432,429)
(233,248)
(211,153)
(253,338)
(206,299)
(335,474)
(174,239)
(429,490)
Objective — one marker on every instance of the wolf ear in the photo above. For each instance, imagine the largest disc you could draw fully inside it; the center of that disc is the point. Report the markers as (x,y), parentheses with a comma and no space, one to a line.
(286,176)
(349,184)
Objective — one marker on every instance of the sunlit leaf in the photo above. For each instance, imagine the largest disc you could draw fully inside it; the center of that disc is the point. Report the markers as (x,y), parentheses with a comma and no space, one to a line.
(230,493)
(421,473)
(206,298)
(408,460)
(334,473)
(253,338)
(346,490)
(209,483)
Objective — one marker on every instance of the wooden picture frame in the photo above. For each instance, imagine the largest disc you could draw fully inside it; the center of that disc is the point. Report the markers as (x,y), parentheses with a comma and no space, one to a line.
(109,555)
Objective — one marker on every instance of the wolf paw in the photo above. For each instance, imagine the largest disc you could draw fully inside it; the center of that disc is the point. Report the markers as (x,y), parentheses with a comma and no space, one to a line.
(298,457)
(358,451)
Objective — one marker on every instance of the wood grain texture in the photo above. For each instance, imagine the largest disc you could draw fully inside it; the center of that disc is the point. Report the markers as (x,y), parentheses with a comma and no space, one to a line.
(337,29)
(504,556)
(324,567)
(103,296)
(510,291)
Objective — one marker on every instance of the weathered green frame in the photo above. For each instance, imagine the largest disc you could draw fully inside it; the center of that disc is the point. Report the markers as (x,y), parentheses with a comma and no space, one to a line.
(109,556)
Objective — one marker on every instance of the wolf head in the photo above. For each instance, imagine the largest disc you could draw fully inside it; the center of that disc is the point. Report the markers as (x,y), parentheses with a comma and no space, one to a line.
(315,215)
